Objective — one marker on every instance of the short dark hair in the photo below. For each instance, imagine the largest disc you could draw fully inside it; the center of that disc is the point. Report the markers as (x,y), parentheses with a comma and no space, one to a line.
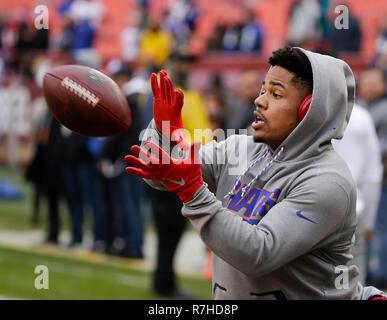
(295,61)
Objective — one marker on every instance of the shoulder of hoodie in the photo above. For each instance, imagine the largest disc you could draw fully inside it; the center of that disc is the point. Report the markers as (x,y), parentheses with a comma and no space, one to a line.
(326,166)
(326,171)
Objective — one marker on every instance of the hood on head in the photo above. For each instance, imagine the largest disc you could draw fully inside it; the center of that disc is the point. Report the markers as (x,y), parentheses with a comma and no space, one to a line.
(327,117)
(330,109)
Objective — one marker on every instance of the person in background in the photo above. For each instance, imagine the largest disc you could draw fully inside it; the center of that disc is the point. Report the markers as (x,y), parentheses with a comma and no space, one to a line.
(33,171)
(181,21)
(246,36)
(79,176)
(85,18)
(215,108)
(194,113)
(45,168)
(130,38)
(348,39)
(87,10)
(324,23)
(166,206)
(243,104)
(303,26)
(382,33)
(50,143)
(28,43)
(64,6)
(156,45)
(39,112)
(124,234)
(373,92)
(361,151)
(65,38)
(381,57)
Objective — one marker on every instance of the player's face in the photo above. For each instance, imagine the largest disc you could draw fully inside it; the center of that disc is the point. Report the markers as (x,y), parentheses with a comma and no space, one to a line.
(277,107)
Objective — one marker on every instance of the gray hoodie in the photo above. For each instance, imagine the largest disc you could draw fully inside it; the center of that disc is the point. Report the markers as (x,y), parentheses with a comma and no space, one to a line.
(280,223)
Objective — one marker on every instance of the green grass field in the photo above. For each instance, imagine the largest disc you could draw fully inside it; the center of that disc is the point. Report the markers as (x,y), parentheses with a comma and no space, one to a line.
(71,276)
(15,214)
(75,279)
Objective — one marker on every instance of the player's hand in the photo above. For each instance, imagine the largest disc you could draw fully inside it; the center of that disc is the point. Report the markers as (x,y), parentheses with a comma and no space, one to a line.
(181,176)
(167,105)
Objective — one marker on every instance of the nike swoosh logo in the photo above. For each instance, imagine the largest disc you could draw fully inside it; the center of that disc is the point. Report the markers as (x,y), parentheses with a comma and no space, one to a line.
(299,214)
(181,182)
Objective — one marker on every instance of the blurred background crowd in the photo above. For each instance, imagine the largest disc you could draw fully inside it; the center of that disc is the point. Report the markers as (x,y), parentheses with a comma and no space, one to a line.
(216,52)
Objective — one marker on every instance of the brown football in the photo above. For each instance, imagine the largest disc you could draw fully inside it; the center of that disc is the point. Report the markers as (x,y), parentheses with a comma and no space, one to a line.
(86,101)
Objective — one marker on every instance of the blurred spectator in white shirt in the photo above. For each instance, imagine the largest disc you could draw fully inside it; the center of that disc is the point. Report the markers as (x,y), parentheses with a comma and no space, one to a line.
(304,19)
(181,20)
(130,38)
(360,149)
(91,10)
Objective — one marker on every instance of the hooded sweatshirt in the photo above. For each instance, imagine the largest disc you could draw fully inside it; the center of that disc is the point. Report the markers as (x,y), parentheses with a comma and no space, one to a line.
(280,223)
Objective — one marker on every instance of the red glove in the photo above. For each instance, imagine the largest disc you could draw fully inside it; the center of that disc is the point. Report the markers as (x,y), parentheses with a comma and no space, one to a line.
(183,177)
(167,105)
(377,297)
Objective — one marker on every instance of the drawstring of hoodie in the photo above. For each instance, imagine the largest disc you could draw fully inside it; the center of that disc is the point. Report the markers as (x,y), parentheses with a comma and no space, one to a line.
(246,187)
(231,193)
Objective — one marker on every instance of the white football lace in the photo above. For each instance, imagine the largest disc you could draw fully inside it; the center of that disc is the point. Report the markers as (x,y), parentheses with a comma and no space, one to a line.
(80,91)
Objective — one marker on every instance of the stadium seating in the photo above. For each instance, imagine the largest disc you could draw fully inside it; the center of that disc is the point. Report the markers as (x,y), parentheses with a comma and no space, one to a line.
(273,15)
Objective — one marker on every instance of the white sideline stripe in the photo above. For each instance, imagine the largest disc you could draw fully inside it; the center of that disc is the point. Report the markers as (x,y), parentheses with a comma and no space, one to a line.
(190,255)
(9,298)
(140,282)
(86,272)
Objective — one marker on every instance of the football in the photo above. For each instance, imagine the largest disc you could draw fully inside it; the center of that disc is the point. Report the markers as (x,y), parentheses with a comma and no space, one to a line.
(86,101)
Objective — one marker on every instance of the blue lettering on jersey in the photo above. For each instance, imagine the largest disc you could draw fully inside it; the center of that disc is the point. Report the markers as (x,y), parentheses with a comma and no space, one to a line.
(255,203)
